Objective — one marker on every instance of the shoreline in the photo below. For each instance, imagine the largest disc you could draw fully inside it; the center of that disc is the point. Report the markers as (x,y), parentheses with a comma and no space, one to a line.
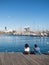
(22,35)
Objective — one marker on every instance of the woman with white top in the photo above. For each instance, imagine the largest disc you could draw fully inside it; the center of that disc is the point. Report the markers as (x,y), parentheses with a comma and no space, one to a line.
(26,49)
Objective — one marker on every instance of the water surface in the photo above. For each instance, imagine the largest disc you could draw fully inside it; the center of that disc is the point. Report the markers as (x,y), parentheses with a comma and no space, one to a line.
(16,43)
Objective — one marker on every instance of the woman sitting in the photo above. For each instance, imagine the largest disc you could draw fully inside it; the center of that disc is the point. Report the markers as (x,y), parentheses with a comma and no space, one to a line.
(26,49)
(36,49)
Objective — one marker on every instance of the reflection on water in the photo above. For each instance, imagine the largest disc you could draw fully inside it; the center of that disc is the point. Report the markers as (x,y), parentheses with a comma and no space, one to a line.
(16,43)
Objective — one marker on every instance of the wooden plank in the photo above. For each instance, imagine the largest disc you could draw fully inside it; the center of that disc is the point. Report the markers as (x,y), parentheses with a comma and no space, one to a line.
(30,60)
(7,59)
(17,58)
(2,57)
(38,59)
(24,60)
(0,62)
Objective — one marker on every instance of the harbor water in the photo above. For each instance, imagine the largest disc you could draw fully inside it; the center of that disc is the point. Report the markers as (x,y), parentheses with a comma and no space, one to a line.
(11,43)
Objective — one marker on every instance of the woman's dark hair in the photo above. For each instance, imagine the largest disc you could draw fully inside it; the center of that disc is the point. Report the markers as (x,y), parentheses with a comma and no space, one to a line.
(35,45)
(26,45)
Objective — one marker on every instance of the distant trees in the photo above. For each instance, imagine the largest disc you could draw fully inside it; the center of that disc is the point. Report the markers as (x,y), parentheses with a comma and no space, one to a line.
(27,29)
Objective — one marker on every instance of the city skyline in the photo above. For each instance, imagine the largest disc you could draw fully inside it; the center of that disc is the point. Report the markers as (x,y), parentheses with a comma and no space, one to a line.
(16,14)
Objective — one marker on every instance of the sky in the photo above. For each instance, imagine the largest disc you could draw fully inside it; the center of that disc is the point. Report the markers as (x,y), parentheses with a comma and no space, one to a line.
(16,14)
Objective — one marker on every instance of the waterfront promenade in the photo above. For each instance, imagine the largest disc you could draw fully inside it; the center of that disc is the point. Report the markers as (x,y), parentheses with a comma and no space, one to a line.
(18,58)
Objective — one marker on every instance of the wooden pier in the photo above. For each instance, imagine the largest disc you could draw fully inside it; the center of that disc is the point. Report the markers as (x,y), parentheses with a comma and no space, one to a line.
(17,58)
